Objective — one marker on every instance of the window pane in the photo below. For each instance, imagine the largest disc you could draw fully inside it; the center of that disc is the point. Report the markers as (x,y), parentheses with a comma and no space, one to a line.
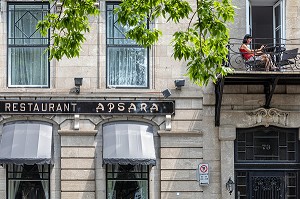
(29,66)
(277,16)
(27,59)
(274,145)
(127,181)
(26,181)
(127,64)
(127,67)
(22,24)
(127,189)
(116,31)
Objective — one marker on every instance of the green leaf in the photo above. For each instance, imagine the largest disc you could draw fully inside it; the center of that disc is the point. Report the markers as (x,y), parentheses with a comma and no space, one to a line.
(68,28)
(203,44)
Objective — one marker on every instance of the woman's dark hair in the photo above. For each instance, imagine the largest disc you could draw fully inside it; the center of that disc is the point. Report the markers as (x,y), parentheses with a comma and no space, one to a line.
(247,36)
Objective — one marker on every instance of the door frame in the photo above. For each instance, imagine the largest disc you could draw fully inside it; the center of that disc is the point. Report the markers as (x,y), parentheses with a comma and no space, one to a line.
(249,22)
(248,17)
(280,3)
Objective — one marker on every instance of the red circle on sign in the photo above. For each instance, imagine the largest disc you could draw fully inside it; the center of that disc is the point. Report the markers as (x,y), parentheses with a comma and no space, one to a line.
(203,168)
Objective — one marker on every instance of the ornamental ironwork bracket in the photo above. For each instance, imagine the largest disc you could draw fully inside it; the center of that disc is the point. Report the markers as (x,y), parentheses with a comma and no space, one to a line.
(219,93)
(269,91)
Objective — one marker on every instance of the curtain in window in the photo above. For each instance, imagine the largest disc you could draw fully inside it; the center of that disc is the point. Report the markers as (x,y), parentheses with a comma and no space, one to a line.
(14,184)
(28,181)
(27,59)
(127,67)
(142,191)
(45,183)
(27,66)
(112,183)
(127,64)
(127,181)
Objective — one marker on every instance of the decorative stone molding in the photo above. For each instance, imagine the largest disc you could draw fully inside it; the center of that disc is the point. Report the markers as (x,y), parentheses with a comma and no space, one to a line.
(268,116)
(180,133)
(77,133)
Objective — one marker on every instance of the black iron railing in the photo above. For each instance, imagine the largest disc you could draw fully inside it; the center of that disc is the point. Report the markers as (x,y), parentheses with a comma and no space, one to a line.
(284,56)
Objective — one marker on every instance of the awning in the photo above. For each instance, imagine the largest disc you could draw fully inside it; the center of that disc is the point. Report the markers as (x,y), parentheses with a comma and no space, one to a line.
(128,143)
(26,142)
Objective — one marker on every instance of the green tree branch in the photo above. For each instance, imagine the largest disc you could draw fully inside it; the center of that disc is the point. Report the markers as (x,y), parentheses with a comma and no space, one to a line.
(203,45)
(68,27)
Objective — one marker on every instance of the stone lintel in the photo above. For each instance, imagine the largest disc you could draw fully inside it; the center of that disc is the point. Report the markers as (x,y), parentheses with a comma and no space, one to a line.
(180,133)
(77,132)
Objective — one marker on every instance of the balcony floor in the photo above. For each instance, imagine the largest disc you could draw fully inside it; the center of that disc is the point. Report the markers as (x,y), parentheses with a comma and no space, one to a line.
(263,77)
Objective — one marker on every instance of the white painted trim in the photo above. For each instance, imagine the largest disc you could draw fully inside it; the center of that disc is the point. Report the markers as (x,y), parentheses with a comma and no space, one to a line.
(282,20)
(248,19)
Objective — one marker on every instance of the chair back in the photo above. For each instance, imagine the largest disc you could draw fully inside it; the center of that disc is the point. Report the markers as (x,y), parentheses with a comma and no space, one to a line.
(289,54)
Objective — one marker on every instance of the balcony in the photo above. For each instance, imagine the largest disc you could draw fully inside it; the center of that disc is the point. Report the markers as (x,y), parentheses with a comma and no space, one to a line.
(284,55)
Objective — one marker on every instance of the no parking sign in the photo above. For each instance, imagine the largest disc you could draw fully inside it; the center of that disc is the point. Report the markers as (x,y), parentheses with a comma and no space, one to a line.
(203,174)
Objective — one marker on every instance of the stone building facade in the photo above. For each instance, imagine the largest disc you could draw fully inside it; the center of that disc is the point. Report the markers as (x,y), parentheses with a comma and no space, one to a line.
(80,163)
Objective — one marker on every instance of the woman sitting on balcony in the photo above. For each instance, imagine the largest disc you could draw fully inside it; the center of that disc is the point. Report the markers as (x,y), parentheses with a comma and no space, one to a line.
(256,54)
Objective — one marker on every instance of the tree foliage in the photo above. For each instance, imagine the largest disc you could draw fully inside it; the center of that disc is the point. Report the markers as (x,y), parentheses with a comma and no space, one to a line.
(203,44)
(68,27)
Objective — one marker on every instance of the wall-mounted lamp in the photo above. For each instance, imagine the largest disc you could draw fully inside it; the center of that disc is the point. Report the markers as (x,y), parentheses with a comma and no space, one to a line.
(58,7)
(230,186)
(166,93)
(78,83)
(179,83)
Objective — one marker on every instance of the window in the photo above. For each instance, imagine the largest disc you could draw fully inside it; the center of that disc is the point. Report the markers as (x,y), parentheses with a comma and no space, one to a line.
(28,181)
(266,21)
(266,144)
(127,181)
(28,64)
(127,62)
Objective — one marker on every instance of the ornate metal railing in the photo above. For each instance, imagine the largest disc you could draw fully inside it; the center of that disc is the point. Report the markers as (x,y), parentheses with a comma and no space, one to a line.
(284,55)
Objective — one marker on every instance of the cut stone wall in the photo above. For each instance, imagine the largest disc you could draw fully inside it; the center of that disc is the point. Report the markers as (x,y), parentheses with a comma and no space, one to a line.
(180,154)
(77,166)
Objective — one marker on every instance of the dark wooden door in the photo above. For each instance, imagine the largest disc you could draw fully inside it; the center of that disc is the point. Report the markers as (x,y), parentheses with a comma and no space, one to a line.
(267,163)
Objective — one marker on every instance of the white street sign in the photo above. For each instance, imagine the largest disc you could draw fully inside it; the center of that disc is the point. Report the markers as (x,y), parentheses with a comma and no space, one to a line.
(203,174)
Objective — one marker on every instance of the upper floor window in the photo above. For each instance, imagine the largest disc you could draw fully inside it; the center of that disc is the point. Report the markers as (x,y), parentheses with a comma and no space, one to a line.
(28,64)
(266,22)
(127,62)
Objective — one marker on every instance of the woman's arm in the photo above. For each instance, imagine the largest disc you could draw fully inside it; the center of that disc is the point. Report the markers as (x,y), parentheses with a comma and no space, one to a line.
(255,51)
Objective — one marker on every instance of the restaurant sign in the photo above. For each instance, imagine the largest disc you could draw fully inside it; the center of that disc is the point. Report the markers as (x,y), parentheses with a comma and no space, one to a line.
(88,107)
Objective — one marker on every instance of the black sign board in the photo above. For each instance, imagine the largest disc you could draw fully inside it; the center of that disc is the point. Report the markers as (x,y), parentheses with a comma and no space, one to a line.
(88,107)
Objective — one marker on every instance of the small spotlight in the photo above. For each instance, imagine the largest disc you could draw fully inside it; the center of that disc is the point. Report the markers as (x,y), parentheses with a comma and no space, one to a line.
(166,93)
(179,83)
(78,83)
